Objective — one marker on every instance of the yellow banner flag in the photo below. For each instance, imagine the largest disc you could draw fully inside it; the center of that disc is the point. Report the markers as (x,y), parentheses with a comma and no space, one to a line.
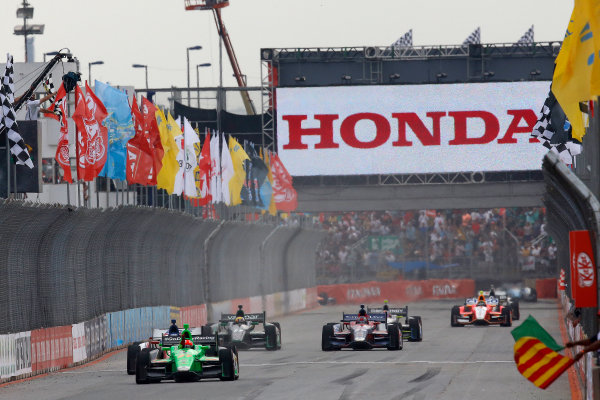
(577,72)
(238,155)
(168,129)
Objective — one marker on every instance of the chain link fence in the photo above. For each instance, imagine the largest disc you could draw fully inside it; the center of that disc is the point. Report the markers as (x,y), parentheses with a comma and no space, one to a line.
(63,265)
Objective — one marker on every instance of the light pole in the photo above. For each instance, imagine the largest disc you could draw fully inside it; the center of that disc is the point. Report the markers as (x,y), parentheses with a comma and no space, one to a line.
(90,69)
(198,78)
(26,12)
(145,68)
(188,67)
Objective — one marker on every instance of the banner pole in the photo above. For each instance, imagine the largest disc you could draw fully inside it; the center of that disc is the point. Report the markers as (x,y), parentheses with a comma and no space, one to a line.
(78,194)
(107,180)
(68,194)
(97,193)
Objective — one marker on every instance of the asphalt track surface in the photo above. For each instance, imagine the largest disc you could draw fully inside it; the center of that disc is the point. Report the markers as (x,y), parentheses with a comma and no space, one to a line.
(450,363)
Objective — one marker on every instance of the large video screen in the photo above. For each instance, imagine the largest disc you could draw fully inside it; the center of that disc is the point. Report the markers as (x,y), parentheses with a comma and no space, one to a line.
(358,130)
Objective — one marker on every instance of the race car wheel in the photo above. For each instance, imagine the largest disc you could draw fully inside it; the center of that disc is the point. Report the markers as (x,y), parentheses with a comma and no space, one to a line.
(454,314)
(132,352)
(515,310)
(279,333)
(142,363)
(270,337)
(394,333)
(326,337)
(506,317)
(228,361)
(416,329)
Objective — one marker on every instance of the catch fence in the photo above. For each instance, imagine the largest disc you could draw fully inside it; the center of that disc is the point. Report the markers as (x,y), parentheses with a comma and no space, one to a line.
(63,265)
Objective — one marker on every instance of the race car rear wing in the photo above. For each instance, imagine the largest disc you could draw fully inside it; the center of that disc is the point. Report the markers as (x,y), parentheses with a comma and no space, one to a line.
(168,341)
(158,333)
(250,317)
(402,312)
(376,317)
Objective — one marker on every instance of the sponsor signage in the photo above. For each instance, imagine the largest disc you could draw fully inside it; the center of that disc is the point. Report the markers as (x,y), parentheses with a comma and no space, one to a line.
(401,129)
(79,344)
(583,270)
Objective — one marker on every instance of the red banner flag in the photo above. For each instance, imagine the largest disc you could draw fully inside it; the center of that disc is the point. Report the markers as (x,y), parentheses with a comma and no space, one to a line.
(140,156)
(204,171)
(284,194)
(153,135)
(583,270)
(92,136)
(62,149)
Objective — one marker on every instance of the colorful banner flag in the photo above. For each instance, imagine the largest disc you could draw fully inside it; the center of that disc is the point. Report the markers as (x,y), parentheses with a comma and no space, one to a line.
(59,113)
(120,128)
(215,169)
(153,135)
(176,131)
(191,143)
(284,194)
(531,328)
(227,172)
(539,363)
(583,270)
(139,150)
(272,207)
(238,156)
(204,173)
(577,71)
(259,177)
(92,135)
(170,166)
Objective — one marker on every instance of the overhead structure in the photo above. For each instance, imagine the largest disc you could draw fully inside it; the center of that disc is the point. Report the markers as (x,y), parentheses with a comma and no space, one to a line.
(215,6)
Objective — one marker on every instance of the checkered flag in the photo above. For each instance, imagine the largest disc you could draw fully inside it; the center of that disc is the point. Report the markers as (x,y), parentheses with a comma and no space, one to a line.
(527,37)
(8,125)
(473,38)
(553,129)
(404,41)
(7,79)
(49,87)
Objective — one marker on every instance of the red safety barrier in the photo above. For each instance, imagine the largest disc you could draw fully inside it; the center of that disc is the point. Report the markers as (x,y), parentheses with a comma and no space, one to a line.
(194,315)
(355,293)
(51,348)
(311,297)
(546,288)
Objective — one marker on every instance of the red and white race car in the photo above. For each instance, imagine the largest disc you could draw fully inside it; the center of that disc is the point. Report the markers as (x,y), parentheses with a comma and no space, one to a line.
(481,311)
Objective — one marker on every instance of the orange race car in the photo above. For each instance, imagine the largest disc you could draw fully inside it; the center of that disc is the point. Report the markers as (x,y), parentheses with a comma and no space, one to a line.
(481,311)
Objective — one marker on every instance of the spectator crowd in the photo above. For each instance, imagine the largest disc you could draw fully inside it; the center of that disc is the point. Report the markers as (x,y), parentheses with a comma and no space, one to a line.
(362,244)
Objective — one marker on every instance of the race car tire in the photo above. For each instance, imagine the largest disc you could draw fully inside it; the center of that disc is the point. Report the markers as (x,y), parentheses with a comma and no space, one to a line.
(271,337)
(227,359)
(142,363)
(515,310)
(416,329)
(132,352)
(325,337)
(206,330)
(454,314)
(506,317)
(278,325)
(394,332)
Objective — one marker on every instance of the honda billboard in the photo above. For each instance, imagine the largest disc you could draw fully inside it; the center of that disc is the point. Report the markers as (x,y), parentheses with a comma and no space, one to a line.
(352,130)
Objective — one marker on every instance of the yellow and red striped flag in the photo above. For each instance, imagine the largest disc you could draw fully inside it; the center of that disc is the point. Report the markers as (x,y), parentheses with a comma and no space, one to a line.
(538,363)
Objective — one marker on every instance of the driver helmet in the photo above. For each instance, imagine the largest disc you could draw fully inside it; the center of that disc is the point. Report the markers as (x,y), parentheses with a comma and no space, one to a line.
(385,306)
(362,312)
(239,320)
(188,344)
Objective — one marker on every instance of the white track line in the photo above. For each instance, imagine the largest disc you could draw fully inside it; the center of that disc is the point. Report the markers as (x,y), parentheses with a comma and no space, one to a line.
(377,362)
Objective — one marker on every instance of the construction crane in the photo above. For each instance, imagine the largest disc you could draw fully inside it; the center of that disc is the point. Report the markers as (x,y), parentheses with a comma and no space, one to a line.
(215,6)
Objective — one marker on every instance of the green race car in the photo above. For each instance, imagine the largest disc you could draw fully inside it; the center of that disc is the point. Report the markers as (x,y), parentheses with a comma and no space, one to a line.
(411,327)
(187,358)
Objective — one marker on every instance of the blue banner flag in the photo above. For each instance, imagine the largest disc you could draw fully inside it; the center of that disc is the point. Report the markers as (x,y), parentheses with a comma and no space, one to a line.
(120,129)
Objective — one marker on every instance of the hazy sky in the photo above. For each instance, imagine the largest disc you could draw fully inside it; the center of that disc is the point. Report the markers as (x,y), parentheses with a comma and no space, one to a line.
(157,32)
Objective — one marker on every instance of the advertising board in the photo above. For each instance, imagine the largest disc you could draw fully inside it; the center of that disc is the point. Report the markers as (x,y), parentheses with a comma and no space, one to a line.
(403,129)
